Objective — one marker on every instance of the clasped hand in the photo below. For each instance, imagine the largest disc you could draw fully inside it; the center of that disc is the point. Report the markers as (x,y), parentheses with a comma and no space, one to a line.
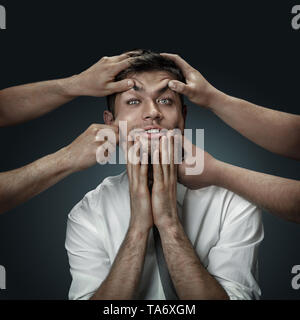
(156,205)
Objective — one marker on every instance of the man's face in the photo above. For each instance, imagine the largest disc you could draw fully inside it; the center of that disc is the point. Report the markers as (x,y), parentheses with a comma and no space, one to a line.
(149,104)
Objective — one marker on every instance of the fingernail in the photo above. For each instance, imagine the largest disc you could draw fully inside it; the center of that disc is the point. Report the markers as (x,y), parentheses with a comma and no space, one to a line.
(172,85)
(130,83)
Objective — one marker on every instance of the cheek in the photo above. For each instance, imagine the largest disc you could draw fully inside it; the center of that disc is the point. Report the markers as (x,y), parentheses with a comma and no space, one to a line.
(123,114)
(174,116)
(129,117)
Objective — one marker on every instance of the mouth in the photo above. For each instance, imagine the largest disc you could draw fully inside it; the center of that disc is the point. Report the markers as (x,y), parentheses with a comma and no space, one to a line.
(154,132)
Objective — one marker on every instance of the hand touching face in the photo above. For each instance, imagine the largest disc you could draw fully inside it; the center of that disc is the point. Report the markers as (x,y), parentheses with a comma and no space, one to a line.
(150,104)
(197,88)
(99,79)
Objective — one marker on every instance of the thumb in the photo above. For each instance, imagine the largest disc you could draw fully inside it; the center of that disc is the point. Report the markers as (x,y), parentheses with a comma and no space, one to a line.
(122,85)
(188,147)
(178,86)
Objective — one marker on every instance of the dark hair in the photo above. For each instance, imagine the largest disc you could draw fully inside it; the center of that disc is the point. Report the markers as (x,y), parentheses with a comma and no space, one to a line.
(146,60)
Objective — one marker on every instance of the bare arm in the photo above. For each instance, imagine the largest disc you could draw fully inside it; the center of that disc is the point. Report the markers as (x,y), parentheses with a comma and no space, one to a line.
(277,195)
(123,278)
(26,102)
(29,101)
(276,131)
(19,185)
(190,278)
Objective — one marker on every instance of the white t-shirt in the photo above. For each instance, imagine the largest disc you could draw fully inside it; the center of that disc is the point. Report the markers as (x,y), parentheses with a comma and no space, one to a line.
(224,229)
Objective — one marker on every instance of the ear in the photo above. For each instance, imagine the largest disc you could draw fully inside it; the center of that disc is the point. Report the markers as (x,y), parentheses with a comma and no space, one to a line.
(108,117)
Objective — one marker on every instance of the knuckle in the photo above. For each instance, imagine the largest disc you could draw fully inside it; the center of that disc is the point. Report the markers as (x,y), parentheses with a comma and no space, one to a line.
(94,127)
(141,193)
(191,74)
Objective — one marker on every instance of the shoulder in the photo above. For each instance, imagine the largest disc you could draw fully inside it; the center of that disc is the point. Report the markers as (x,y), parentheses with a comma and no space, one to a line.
(219,200)
(106,192)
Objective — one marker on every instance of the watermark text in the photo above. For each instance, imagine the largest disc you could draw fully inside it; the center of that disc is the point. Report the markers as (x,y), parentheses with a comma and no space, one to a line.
(2,17)
(296,18)
(296,278)
(2,278)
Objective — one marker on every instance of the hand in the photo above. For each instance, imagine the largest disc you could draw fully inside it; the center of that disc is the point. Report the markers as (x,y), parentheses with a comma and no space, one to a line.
(81,153)
(98,80)
(164,189)
(140,200)
(196,181)
(197,88)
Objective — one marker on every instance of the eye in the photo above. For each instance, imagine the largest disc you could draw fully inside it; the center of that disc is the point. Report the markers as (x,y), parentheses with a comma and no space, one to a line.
(133,101)
(165,101)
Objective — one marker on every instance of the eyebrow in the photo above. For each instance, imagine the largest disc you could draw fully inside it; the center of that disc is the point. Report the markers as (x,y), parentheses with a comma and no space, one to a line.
(159,91)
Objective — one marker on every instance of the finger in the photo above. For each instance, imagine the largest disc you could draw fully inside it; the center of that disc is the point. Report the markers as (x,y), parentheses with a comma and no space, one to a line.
(173,166)
(125,55)
(98,126)
(132,152)
(178,150)
(114,127)
(170,136)
(179,87)
(164,157)
(119,66)
(136,165)
(182,64)
(128,163)
(104,152)
(188,147)
(120,86)
(121,57)
(157,172)
(136,158)
(108,133)
(171,150)
(145,144)
(144,169)
(117,137)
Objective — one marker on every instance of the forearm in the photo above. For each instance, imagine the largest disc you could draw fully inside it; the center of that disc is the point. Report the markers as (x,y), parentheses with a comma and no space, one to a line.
(190,278)
(29,101)
(19,185)
(123,278)
(276,131)
(275,194)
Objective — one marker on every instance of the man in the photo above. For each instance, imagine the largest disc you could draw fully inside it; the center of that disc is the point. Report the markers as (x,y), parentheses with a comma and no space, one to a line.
(22,103)
(210,236)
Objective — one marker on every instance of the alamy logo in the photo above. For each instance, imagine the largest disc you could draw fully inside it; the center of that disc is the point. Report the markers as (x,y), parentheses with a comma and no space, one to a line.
(2,278)
(2,17)
(296,278)
(296,19)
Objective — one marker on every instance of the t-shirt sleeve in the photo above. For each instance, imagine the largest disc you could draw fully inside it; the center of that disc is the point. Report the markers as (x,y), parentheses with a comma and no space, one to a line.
(233,260)
(88,259)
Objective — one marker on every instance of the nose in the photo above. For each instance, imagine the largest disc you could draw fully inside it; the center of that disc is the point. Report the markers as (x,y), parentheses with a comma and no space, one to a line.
(151,111)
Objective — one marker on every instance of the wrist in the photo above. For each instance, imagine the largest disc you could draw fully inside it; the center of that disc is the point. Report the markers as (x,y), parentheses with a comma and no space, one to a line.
(167,220)
(218,175)
(137,228)
(71,86)
(216,99)
(169,225)
(65,161)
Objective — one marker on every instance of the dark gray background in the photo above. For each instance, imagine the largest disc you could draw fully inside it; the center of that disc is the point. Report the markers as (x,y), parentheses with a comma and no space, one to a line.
(244,48)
